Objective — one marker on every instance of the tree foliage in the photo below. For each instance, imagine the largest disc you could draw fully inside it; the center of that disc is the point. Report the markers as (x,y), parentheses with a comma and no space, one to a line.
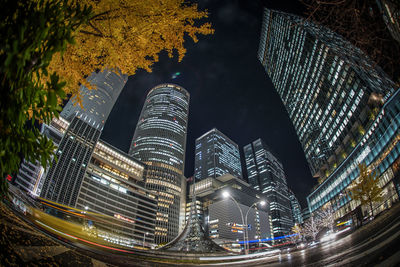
(312,226)
(49,47)
(31,33)
(362,23)
(297,234)
(366,189)
(327,217)
(128,35)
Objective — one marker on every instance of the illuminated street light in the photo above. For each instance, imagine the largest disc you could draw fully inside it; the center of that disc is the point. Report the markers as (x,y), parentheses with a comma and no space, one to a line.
(262,203)
(226,194)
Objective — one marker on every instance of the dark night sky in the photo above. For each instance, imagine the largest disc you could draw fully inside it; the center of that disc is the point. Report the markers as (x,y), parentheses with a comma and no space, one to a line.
(228,90)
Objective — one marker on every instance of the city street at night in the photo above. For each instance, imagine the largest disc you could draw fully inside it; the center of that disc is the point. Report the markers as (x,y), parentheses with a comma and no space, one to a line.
(374,244)
(200,133)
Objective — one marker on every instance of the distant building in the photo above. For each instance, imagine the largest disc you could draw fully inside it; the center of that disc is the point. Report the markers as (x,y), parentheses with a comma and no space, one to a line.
(216,155)
(65,175)
(343,107)
(265,173)
(97,103)
(92,175)
(160,142)
(113,185)
(30,175)
(296,208)
(222,216)
(305,214)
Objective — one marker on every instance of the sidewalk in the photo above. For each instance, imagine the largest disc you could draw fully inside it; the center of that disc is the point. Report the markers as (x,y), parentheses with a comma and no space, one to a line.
(23,245)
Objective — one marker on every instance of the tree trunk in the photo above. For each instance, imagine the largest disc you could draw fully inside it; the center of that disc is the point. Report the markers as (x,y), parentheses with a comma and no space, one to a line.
(370,205)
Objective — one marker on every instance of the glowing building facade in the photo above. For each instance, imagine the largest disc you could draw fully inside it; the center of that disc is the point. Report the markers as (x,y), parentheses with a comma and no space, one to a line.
(296,208)
(338,101)
(265,173)
(222,217)
(97,104)
(113,185)
(216,155)
(31,175)
(159,141)
(65,175)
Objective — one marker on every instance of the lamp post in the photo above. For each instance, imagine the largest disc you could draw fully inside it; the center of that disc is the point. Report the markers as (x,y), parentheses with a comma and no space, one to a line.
(262,203)
(226,194)
(144,238)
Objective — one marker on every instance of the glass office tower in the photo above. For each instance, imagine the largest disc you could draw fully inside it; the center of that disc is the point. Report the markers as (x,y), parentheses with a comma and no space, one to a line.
(160,142)
(265,173)
(216,155)
(296,208)
(325,84)
(64,179)
(335,97)
(97,103)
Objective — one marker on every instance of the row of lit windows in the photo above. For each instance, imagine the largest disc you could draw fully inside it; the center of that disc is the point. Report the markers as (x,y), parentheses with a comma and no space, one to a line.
(163,183)
(118,158)
(339,181)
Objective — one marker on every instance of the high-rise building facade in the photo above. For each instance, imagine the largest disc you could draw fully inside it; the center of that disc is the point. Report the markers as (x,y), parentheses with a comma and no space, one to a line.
(265,173)
(31,175)
(65,175)
(296,208)
(325,84)
(159,141)
(216,155)
(338,102)
(113,185)
(97,103)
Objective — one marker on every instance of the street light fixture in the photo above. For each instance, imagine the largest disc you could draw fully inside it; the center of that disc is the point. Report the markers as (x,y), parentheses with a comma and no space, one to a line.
(262,203)
(226,194)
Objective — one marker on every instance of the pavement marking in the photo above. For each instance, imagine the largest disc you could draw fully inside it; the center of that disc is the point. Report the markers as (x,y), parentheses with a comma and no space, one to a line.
(348,260)
(29,253)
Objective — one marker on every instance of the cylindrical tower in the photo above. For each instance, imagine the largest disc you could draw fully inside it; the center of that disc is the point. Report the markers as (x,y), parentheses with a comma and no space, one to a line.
(160,142)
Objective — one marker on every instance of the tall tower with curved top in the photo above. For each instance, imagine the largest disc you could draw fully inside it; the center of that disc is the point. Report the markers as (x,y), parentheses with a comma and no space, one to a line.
(160,142)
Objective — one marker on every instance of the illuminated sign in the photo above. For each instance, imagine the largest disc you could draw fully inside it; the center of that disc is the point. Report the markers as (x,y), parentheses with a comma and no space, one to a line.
(237,227)
(344,223)
(9,177)
(119,216)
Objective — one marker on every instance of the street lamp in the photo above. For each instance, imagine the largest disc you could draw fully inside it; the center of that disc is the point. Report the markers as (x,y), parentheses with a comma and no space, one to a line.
(262,203)
(144,238)
(226,194)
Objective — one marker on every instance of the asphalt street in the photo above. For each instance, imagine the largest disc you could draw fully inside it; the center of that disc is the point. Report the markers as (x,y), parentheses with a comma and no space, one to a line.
(374,244)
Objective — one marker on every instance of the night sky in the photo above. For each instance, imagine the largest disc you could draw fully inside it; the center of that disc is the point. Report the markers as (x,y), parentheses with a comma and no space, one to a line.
(228,90)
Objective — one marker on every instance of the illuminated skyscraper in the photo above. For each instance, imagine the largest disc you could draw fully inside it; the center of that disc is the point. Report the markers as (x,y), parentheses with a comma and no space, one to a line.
(216,155)
(265,173)
(336,98)
(97,104)
(64,179)
(160,142)
(296,208)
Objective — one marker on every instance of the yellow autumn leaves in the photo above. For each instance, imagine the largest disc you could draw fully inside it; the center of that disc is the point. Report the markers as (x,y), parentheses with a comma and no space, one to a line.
(128,35)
